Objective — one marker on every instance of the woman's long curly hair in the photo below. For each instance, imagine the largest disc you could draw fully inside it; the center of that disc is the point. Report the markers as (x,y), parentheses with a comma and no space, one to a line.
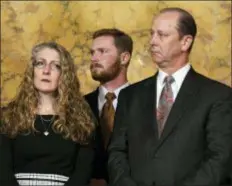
(75,119)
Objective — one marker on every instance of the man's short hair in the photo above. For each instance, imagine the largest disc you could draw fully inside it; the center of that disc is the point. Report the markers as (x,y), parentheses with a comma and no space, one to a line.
(122,41)
(186,24)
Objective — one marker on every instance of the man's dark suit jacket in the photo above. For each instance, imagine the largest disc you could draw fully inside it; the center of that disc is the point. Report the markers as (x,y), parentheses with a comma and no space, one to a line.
(195,146)
(100,163)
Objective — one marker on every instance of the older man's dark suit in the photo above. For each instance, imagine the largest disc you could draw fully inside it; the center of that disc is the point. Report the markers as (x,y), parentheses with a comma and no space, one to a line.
(195,146)
(100,163)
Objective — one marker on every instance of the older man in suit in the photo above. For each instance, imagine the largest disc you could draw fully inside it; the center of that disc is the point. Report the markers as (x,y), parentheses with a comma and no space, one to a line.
(175,128)
(111,52)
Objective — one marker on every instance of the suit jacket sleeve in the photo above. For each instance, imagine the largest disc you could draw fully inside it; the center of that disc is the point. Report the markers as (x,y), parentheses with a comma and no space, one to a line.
(6,163)
(118,166)
(83,166)
(215,167)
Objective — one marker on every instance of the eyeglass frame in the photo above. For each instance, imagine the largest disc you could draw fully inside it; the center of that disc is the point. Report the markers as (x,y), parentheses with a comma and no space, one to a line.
(53,65)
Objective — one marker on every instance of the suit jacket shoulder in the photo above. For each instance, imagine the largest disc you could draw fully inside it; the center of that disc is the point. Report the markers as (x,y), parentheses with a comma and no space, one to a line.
(208,85)
(140,85)
(92,95)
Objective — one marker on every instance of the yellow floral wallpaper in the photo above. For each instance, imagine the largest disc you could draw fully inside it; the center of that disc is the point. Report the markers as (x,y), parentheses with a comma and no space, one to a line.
(71,23)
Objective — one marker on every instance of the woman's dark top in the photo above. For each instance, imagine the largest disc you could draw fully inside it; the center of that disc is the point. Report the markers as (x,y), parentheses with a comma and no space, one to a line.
(39,159)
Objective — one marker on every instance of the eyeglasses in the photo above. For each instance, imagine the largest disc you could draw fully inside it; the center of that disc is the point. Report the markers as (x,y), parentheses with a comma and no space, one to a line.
(43,64)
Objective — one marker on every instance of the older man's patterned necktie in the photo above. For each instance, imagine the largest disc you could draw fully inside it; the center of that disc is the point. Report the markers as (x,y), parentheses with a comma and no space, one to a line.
(165,104)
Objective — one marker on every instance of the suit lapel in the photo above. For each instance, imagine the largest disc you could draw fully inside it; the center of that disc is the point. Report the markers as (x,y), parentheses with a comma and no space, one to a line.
(148,109)
(93,102)
(184,101)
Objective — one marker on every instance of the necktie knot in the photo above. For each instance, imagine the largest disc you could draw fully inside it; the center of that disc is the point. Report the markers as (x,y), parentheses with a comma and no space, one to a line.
(169,80)
(110,96)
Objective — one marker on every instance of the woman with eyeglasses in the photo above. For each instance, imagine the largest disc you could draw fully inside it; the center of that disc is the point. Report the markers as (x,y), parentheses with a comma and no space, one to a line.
(47,130)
